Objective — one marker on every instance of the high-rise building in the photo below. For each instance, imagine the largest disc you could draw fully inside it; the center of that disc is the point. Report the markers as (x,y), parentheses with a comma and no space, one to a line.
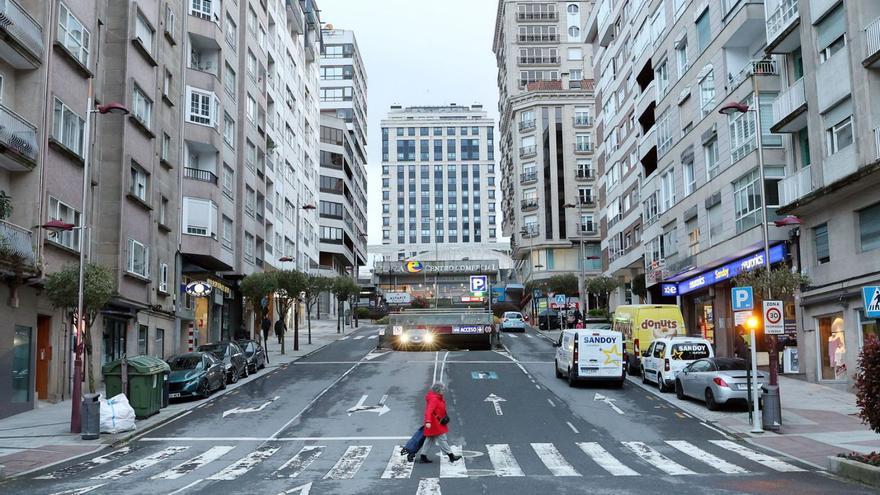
(547,132)
(438,179)
(343,181)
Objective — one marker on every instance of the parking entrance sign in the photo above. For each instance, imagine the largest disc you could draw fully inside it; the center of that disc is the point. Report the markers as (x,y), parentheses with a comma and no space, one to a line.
(742,298)
(479,283)
(773,323)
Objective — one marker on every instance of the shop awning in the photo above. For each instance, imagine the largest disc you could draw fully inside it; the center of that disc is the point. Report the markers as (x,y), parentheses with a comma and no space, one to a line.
(721,270)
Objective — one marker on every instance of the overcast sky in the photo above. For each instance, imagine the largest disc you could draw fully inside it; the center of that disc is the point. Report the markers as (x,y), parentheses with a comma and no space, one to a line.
(417,52)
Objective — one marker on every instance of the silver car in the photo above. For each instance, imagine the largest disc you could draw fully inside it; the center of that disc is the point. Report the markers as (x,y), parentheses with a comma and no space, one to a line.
(716,381)
(513,321)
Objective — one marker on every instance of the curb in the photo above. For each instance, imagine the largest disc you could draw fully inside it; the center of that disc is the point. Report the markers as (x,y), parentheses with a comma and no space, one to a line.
(854,470)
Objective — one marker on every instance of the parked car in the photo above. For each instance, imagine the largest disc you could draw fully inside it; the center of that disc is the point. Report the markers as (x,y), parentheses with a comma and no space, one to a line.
(590,354)
(195,374)
(667,356)
(548,319)
(255,354)
(512,321)
(232,356)
(641,324)
(717,381)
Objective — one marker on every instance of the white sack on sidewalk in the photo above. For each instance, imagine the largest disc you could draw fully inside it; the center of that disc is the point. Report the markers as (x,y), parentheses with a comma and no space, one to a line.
(116,414)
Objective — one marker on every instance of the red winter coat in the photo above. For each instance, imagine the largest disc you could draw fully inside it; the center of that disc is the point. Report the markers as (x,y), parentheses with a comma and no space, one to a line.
(435,410)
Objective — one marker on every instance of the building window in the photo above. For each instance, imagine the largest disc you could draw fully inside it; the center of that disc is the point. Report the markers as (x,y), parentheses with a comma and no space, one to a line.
(704,31)
(574,32)
(138,259)
(681,55)
(716,223)
(199,217)
(840,135)
(65,213)
(231,32)
(143,336)
(229,130)
(163,278)
(869,228)
(138,185)
(662,76)
(229,80)
(575,54)
(68,127)
(747,201)
(707,93)
(710,152)
(143,32)
(142,107)
(165,155)
(820,243)
(249,247)
(202,107)
(160,343)
(73,35)
(228,181)
(689,178)
(667,190)
(226,242)
(166,85)
(831,34)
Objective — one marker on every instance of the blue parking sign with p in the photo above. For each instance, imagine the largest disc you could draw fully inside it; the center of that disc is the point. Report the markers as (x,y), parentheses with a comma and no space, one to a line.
(479,283)
(742,298)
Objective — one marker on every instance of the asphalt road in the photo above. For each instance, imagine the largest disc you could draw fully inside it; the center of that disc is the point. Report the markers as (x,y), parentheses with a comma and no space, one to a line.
(299,430)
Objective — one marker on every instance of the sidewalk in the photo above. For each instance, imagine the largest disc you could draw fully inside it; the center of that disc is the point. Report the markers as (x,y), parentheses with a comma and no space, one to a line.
(40,438)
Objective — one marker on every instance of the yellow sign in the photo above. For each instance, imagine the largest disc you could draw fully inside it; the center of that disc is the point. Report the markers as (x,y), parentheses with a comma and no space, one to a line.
(611,355)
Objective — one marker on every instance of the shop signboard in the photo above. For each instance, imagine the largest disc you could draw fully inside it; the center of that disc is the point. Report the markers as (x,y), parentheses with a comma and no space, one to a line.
(731,270)
(398,298)
(773,322)
(669,289)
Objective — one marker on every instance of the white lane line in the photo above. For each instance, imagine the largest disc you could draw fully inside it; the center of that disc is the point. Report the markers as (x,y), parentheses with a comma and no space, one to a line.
(455,469)
(82,466)
(299,490)
(140,464)
(398,467)
(572,427)
(553,460)
(268,439)
(359,337)
(443,365)
(503,461)
(85,489)
(657,459)
(706,458)
(436,362)
(429,486)
(553,404)
(196,462)
(187,487)
(348,465)
(345,338)
(605,460)
(716,430)
(245,464)
(300,462)
(528,336)
(755,456)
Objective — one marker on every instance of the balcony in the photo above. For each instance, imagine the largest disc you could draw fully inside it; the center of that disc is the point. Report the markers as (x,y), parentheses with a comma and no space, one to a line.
(757,67)
(586,201)
(872,45)
(294,17)
(538,60)
(585,174)
(527,125)
(21,42)
(588,229)
(16,247)
(537,16)
(582,121)
(783,27)
(527,177)
(583,147)
(525,151)
(529,231)
(200,175)
(528,204)
(790,109)
(18,142)
(795,186)
(538,38)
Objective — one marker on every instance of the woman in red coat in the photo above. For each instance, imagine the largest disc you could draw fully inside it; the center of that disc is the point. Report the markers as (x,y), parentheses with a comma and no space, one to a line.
(436,420)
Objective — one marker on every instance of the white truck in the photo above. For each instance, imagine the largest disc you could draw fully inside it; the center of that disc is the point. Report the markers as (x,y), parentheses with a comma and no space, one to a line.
(594,354)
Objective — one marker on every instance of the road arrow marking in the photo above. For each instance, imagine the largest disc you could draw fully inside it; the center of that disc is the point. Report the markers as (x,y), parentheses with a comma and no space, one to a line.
(495,400)
(239,410)
(380,408)
(300,490)
(373,355)
(608,401)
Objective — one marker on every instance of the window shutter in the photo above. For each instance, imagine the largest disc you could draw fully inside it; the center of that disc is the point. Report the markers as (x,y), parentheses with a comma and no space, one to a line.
(831,27)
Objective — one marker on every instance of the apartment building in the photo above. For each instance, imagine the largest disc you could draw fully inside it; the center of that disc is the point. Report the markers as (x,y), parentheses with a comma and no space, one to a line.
(343,182)
(547,169)
(827,111)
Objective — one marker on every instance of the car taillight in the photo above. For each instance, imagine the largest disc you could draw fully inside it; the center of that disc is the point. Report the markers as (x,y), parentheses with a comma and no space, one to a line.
(666,365)
(575,353)
(720,382)
(636,347)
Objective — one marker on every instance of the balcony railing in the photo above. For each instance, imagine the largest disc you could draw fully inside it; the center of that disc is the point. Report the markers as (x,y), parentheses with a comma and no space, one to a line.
(587,229)
(16,245)
(22,27)
(538,38)
(538,60)
(872,39)
(583,147)
(585,174)
(18,135)
(526,125)
(586,201)
(528,177)
(530,230)
(790,101)
(527,204)
(757,67)
(527,150)
(200,175)
(795,186)
(537,16)
(583,121)
(781,18)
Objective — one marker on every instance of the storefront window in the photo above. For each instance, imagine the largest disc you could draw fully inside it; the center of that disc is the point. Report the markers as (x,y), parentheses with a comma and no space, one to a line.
(832,347)
(868,327)
(114,339)
(705,319)
(21,365)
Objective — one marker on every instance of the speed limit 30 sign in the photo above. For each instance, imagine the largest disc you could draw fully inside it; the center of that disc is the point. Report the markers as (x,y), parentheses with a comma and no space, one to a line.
(773,322)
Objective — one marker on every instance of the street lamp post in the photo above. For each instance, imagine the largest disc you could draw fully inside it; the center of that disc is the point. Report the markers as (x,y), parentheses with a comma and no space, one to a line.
(582,286)
(526,232)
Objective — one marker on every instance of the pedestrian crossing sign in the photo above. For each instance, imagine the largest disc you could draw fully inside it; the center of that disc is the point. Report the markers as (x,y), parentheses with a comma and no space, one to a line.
(871,296)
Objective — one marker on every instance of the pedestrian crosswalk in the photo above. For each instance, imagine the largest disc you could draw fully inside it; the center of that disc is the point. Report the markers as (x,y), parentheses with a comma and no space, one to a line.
(272,460)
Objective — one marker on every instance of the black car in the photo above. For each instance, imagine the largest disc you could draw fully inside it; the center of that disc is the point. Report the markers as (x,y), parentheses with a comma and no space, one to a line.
(195,374)
(255,354)
(232,357)
(548,319)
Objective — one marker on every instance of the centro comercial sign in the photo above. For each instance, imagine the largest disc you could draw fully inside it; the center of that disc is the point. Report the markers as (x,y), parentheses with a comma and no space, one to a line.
(422,267)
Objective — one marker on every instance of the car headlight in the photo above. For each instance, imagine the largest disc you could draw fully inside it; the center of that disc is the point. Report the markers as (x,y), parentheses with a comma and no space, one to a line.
(397,330)
(429,338)
(404,338)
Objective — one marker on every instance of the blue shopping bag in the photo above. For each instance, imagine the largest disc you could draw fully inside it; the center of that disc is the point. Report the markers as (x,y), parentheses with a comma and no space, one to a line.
(416,441)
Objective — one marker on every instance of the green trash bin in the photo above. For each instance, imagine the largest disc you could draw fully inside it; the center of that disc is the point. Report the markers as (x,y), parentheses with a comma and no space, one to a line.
(145,383)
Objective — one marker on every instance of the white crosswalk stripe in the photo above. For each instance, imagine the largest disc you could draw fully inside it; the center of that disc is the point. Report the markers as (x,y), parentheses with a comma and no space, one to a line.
(86,489)
(755,456)
(398,467)
(350,463)
(429,486)
(196,462)
(511,335)
(300,462)
(657,459)
(605,460)
(359,337)
(455,469)
(705,457)
(140,464)
(503,461)
(245,464)
(553,460)
(528,336)
(371,337)
(82,466)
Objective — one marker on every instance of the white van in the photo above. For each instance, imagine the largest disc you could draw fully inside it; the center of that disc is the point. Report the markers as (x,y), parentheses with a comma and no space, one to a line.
(667,356)
(590,354)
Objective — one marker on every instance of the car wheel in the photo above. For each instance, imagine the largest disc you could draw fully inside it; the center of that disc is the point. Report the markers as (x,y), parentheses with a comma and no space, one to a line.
(644,376)
(710,400)
(679,390)
(223,383)
(234,377)
(661,385)
(204,389)
(571,379)
(556,367)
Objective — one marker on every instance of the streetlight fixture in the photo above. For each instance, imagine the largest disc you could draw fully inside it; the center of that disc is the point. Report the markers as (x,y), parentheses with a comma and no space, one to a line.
(112,108)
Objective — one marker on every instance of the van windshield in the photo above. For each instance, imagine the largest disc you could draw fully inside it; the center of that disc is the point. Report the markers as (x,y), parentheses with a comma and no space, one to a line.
(690,351)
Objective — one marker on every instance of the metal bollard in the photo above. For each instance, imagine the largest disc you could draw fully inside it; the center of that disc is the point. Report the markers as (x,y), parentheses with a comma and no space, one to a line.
(771,416)
(91,416)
